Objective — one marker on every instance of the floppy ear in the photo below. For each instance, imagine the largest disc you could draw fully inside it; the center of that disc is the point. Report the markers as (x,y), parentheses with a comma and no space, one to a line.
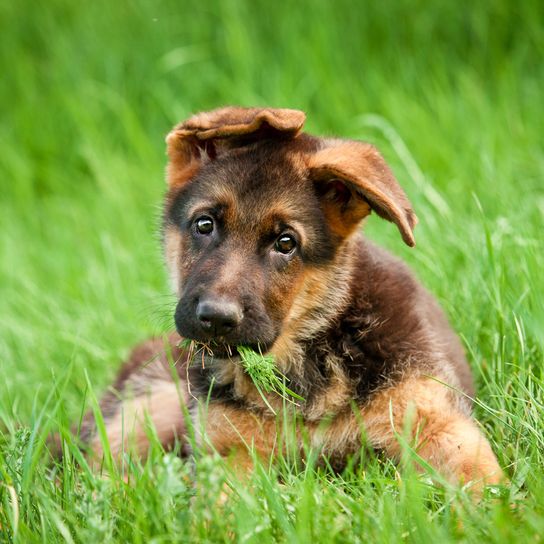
(206,135)
(352,178)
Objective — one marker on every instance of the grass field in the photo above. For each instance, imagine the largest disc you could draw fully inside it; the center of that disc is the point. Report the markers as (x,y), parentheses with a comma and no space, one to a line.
(451,92)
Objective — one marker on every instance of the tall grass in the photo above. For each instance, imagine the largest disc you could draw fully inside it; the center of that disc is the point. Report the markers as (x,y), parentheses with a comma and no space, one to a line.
(452,94)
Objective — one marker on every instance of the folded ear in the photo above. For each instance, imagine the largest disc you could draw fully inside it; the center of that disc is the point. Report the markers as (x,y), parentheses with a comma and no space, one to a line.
(206,135)
(351,179)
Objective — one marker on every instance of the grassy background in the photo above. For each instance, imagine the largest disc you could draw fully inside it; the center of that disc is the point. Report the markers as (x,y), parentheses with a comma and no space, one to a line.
(451,93)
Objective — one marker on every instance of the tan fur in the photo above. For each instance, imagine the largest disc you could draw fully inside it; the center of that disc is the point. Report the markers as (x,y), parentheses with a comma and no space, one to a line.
(439,433)
(344,223)
(128,429)
(445,437)
(227,428)
(240,436)
(172,253)
(317,291)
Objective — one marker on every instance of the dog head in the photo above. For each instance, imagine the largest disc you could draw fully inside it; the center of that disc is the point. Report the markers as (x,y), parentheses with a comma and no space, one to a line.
(257,214)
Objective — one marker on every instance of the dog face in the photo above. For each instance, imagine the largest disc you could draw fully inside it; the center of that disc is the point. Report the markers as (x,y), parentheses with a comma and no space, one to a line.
(256,217)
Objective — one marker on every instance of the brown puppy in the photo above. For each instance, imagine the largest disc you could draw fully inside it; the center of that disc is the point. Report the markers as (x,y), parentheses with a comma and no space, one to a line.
(261,237)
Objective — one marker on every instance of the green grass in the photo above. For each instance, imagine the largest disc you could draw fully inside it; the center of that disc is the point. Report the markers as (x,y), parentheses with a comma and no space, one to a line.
(452,94)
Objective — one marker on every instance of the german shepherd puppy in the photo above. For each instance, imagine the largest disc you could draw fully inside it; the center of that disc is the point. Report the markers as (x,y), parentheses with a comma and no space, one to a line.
(262,241)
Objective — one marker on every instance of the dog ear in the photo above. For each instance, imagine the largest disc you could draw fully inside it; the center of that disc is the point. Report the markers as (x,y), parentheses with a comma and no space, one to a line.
(206,135)
(352,178)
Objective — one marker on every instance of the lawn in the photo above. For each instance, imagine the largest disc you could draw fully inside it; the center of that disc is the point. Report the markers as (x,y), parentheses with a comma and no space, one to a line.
(451,92)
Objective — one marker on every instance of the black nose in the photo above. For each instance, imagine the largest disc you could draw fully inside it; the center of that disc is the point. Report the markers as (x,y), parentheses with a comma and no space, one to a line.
(218,316)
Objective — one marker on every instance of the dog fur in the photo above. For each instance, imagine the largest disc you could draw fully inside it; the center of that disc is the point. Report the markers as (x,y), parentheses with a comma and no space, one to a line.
(355,334)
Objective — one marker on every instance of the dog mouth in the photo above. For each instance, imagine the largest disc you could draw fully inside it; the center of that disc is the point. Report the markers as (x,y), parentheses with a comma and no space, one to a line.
(222,350)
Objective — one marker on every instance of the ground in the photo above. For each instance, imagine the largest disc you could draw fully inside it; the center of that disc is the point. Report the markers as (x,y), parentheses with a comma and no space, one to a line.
(451,92)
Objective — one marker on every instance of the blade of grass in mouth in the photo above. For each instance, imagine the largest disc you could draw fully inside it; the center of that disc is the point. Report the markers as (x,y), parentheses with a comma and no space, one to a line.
(262,370)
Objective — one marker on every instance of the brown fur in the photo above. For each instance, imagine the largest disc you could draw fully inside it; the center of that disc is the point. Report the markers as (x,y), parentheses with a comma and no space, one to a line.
(357,336)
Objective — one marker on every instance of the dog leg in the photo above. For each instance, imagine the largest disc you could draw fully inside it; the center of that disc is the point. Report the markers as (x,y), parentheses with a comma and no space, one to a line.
(148,391)
(441,433)
(238,434)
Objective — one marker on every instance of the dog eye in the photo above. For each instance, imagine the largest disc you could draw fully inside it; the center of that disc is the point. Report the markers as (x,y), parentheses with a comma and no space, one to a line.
(285,244)
(204,225)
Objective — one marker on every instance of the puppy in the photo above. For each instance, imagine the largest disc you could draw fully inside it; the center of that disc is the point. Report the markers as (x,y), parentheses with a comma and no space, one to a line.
(262,242)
